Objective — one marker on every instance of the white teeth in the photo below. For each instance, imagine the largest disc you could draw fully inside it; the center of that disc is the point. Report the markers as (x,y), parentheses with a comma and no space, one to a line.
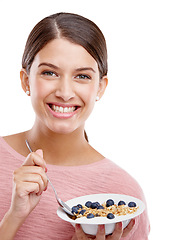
(62,110)
(65,110)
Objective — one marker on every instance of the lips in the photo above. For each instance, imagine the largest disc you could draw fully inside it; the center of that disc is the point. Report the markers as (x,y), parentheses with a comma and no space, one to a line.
(62,110)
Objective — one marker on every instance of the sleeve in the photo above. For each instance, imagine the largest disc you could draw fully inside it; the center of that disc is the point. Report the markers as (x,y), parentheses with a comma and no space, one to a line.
(124,183)
(141,229)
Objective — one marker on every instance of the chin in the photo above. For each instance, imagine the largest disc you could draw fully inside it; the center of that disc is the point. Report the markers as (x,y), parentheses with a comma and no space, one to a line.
(62,129)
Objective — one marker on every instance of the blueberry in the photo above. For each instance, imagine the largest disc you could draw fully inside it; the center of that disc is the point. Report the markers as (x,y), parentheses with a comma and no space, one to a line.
(110,216)
(75,209)
(82,211)
(79,206)
(95,205)
(132,204)
(121,203)
(90,215)
(109,202)
(88,204)
(100,207)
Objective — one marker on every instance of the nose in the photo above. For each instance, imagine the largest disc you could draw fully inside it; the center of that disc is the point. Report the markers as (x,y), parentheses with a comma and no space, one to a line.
(65,89)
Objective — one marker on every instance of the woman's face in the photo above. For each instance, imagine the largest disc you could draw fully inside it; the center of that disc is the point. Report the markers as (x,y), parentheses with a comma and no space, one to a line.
(63,82)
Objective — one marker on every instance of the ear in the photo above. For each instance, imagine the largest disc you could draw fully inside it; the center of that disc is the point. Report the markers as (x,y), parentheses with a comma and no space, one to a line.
(24,80)
(102,86)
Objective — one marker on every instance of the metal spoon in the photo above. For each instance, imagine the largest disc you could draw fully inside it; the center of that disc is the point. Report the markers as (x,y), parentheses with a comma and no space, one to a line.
(62,204)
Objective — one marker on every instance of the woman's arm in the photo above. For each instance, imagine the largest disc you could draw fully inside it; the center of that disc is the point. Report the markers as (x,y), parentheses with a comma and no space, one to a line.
(9,226)
(29,182)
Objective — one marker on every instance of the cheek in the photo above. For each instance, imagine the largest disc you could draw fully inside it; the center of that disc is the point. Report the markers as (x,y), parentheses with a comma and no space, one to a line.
(39,89)
(88,94)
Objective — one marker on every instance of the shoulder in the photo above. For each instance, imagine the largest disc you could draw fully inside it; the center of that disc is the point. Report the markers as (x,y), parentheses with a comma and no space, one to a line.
(15,142)
(11,139)
(120,181)
(13,146)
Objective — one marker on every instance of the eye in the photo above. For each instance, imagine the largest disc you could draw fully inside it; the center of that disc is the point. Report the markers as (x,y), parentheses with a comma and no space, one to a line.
(49,74)
(83,77)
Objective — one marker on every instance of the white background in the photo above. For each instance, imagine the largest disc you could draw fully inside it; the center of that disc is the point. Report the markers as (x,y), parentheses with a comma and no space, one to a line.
(134,122)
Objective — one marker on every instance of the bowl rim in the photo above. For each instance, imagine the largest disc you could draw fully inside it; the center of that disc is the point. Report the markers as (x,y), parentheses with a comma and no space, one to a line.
(100,197)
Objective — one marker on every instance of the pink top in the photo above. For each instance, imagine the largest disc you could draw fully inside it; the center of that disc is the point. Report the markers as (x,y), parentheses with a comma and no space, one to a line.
(70,182)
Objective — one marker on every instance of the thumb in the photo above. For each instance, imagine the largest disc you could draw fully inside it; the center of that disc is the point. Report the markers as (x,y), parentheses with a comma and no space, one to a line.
(40,152)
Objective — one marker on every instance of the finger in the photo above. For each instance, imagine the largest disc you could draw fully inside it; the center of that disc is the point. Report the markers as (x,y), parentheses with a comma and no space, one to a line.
(35,158)
(74,237)
(117,234)
(20,173)
(129,227)
(25,188)
(31,174)
(36,178)
(80,233)
(39,152)
(101,232)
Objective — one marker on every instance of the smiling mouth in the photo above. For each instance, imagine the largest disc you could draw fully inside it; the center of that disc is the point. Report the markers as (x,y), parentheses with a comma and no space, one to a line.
(60,109)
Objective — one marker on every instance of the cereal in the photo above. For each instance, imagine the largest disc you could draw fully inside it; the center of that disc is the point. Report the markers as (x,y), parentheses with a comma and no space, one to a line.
(108,209)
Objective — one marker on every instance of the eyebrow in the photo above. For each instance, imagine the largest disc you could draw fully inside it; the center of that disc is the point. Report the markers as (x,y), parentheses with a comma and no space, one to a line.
(85,69)
(48,65)
(56,68)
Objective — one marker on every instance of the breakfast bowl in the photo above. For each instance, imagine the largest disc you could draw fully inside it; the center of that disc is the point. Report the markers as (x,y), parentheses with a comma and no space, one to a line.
(132,207)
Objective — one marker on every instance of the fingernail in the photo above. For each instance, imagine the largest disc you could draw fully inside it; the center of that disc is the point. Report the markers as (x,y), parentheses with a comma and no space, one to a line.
(40,193)
(102,228)
(45,188)
(78,226)
(120,225)
(46,170)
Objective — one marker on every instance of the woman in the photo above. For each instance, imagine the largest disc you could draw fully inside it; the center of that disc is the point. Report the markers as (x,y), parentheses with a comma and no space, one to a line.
(64,71)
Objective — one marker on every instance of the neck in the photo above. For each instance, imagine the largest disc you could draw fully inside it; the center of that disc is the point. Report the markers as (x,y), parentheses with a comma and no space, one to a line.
(58,148)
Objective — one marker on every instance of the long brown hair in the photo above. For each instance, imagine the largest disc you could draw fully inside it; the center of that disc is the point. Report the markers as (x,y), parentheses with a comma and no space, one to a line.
(73,27)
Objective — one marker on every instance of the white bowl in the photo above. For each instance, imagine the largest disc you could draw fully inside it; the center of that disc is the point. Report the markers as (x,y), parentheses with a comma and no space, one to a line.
(90,226)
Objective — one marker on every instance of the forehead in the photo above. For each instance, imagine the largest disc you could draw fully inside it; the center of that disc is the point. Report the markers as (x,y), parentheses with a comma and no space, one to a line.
(65,54)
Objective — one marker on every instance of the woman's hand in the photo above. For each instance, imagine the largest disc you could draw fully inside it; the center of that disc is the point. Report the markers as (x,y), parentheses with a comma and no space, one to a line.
(29,182)
(116,235)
